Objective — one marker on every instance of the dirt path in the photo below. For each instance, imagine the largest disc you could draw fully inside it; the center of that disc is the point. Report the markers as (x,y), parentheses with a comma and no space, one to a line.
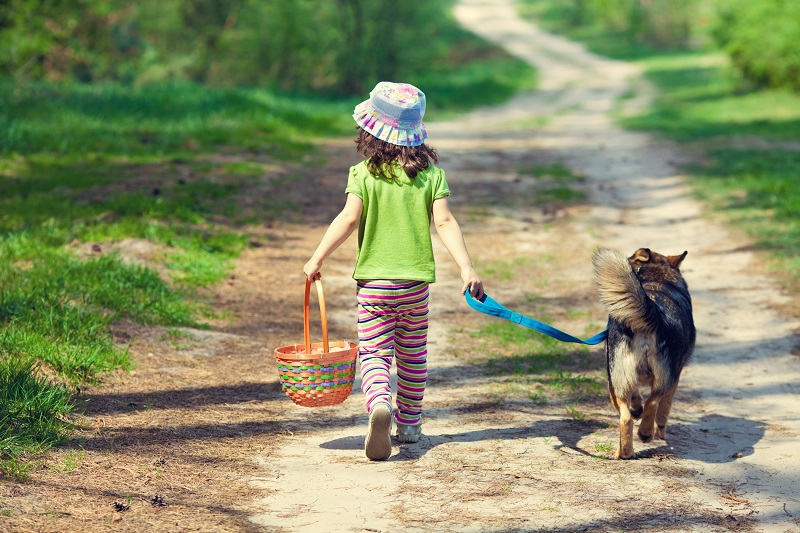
(733,460)
(199,437)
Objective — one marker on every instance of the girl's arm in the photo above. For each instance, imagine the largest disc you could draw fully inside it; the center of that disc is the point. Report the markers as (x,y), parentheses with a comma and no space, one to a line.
(450,232)
(338,232)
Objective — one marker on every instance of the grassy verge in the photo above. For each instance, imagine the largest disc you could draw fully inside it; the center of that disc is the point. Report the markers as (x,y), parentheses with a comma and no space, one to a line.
(527,368)
(750,137)
(124,203)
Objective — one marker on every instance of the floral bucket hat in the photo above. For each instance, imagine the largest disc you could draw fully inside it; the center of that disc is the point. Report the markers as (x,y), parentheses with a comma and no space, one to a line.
(394,114)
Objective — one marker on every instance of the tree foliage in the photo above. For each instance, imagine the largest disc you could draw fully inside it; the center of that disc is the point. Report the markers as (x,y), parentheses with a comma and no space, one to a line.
(341,46)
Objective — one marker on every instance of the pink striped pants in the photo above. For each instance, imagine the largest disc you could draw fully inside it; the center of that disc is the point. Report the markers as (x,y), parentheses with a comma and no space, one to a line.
(393,324)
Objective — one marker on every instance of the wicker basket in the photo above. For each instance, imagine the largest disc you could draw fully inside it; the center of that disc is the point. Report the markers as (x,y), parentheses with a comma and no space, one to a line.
(320,373)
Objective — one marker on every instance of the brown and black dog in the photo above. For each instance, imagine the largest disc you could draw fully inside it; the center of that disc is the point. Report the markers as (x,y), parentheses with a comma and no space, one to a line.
(651,336)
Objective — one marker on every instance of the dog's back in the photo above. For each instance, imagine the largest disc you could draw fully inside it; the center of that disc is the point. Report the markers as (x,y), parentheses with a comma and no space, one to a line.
(651,331)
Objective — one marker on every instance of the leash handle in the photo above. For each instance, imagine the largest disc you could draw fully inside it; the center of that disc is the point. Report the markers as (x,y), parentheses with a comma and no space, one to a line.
(488,306)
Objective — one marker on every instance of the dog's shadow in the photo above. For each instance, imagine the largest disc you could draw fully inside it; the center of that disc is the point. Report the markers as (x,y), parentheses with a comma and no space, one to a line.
(715,438)
(709,439)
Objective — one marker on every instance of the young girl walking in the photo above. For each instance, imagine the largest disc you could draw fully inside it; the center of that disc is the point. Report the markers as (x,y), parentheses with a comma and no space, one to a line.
(391,198)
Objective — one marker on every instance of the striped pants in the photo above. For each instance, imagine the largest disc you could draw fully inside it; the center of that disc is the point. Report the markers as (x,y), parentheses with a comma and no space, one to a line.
(393,323)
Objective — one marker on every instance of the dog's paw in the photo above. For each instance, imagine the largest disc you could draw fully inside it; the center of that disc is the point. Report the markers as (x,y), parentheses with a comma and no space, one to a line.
(623,454)
(644,437)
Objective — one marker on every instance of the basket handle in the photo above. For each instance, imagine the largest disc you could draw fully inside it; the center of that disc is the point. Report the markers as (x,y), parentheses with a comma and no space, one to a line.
(306,317)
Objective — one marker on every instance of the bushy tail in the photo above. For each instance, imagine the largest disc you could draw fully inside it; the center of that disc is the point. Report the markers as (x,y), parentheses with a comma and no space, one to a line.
(620,290)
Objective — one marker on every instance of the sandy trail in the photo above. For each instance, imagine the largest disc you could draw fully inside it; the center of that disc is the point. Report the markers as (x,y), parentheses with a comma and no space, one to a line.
(735,423)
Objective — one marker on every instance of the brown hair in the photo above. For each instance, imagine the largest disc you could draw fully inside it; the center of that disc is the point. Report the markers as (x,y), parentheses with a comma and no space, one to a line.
(381,154)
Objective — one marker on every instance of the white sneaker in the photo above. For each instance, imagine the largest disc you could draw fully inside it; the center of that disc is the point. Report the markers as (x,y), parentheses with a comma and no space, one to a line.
(378,444)
(409,433)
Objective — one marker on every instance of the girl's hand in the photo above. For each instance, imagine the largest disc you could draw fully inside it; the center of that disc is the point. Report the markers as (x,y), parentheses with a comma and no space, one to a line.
(311,270)
(471,282)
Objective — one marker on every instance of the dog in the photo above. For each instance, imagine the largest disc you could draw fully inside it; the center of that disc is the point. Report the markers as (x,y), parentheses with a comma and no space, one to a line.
(651,337)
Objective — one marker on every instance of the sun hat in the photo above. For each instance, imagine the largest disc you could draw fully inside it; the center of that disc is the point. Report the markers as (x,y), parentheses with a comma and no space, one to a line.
(393,113)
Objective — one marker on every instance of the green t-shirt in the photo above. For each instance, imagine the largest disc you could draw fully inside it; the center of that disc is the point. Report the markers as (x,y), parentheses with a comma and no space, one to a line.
(394,235)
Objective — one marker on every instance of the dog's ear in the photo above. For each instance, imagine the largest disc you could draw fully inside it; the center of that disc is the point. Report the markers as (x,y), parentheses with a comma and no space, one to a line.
(676,260)
(642,255)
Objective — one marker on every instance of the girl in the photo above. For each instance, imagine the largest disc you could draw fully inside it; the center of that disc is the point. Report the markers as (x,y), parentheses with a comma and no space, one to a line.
(391,198)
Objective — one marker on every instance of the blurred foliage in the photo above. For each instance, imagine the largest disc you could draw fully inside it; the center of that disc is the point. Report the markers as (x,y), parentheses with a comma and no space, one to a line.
(762,39)
(660,24)
(341,46)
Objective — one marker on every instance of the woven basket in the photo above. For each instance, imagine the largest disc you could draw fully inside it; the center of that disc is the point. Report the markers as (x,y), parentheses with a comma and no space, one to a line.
(319,373)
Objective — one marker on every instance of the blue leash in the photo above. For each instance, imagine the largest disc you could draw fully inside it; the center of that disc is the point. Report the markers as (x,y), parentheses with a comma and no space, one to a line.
(488,306)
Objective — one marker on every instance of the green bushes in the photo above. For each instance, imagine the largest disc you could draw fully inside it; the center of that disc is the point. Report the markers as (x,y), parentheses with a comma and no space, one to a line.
(337,46)
(762,38)
(658,24)
(662,24)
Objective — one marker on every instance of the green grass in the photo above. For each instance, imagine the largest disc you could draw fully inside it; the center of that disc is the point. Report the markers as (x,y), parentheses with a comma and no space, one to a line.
(109,120)
(527,365)
(604,447)
(33,414)
(759,192)
(700,98)
(524,364)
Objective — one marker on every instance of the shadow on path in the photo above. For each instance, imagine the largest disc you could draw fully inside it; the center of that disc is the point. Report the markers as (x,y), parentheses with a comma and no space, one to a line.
(711,439)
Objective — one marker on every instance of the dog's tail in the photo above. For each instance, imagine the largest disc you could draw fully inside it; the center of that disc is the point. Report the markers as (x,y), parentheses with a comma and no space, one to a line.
(620,290)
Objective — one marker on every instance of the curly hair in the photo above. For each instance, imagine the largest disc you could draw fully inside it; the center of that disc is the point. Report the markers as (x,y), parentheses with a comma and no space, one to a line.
(381,154)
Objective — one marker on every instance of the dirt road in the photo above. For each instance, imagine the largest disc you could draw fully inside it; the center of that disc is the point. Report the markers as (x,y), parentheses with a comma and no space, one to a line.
(732,459)
(199,437)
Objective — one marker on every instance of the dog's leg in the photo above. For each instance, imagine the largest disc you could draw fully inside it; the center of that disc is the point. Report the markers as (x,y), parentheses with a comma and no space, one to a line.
(625,450)
(646,428)
(613,396)
(636,405)
(662,414)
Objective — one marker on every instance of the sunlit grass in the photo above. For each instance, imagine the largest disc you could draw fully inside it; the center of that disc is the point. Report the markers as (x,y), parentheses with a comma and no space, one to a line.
(111,120)
(33,413)
(700,98)
(527,365)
